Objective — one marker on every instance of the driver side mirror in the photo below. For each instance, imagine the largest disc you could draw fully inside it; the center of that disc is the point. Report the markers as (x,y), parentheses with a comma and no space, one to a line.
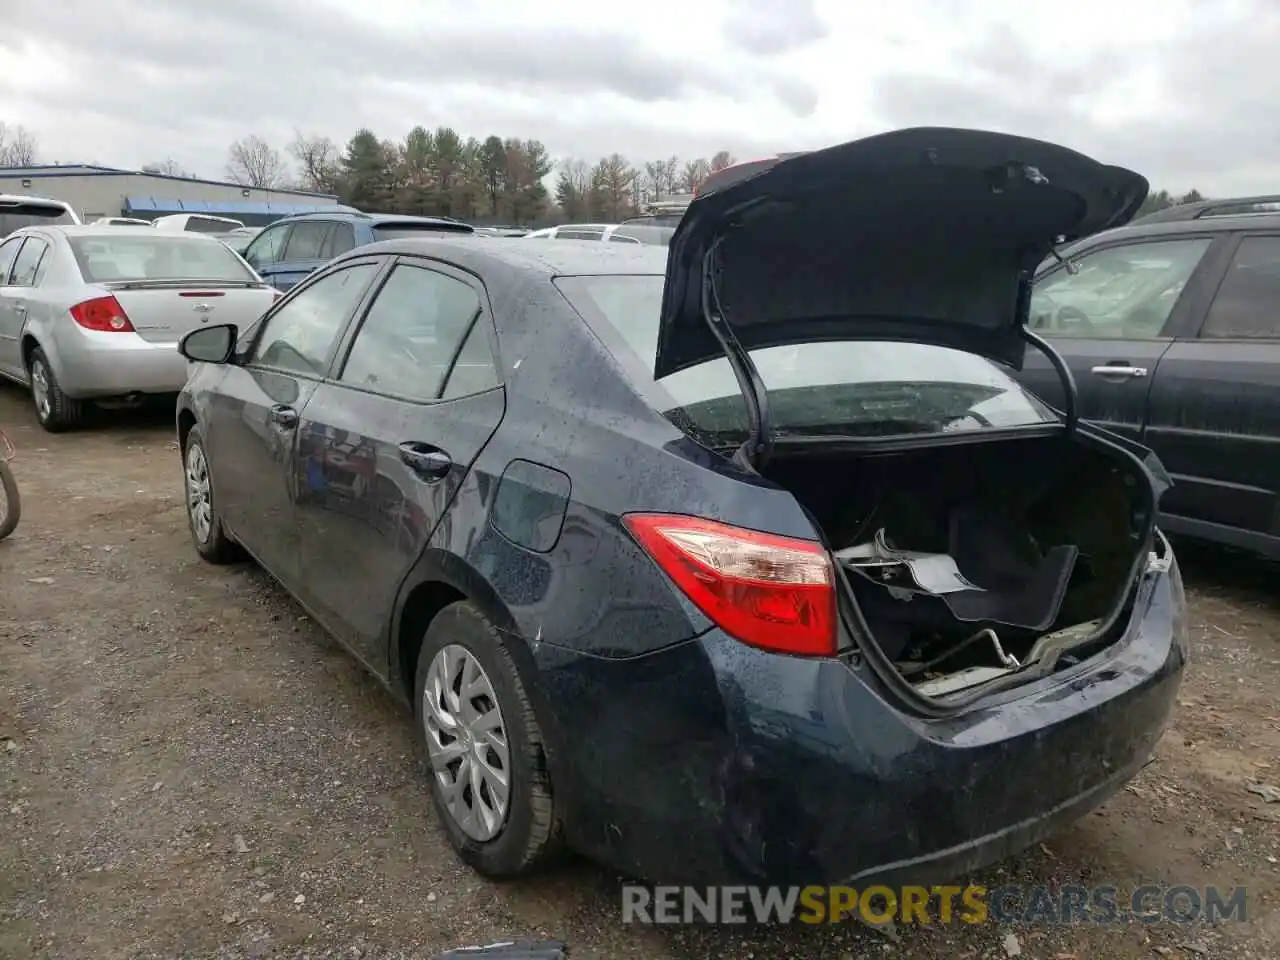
(210,344)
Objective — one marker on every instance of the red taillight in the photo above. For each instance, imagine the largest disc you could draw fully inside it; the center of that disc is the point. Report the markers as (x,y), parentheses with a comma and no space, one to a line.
(769,591)
(102,313)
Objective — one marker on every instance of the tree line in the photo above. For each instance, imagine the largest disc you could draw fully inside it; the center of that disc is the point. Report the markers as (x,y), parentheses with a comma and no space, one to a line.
(441,173)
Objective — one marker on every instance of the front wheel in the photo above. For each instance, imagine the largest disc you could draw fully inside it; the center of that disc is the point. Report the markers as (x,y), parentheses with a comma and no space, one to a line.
(484,747)
(212,542)
(10,503)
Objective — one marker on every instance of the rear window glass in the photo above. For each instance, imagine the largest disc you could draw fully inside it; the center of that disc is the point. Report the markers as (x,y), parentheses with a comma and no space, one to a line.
(30,215)
(110,257)
(210,225)
(866,389)
(398,231)
(643,233)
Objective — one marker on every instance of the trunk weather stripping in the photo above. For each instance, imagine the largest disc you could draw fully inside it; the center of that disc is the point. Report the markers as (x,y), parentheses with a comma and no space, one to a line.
(756,449)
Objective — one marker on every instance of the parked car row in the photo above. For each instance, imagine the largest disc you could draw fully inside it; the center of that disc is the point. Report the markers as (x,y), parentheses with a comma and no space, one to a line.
(757,568)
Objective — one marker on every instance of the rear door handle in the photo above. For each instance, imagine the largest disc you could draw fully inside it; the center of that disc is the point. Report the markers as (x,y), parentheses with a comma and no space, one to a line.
(1119,371)
(428,462)
(19,308)
(283,416)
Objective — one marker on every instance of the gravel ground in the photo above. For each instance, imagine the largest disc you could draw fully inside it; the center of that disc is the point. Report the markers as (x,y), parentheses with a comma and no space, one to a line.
(189,767)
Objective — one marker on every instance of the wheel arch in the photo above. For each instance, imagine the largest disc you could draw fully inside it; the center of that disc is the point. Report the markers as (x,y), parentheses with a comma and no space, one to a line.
(438,580)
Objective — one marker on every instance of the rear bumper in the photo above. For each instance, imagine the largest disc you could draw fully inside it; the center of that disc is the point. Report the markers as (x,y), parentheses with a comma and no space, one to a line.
(93,364)
(714,762)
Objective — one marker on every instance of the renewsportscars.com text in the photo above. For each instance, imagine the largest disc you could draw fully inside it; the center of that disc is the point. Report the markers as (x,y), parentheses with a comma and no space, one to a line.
(972,904)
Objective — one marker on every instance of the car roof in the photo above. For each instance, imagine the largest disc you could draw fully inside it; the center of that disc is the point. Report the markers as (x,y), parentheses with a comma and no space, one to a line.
(1161,228)
(562,259)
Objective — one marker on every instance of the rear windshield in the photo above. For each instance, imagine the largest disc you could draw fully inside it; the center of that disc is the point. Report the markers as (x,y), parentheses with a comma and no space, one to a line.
(116,256)
(210,225)
(863,389)
(645,233)
(15,218)
(398,231)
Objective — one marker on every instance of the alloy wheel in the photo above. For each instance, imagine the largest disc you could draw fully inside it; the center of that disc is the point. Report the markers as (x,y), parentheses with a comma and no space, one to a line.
(467,742)
(199,499)
(40,388)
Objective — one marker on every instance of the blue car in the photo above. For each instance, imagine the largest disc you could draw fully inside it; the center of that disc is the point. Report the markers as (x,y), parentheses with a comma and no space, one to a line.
(290,249)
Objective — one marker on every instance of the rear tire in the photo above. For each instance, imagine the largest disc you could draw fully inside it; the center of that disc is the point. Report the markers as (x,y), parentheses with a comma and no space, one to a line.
(11,507)
(459,640)
(210,539)
(54,409)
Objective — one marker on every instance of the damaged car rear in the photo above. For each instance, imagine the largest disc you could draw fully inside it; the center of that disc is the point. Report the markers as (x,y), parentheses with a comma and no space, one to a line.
(940,621)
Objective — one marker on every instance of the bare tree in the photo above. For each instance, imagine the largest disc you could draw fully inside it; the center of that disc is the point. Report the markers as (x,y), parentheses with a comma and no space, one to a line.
(695,171)
(721,160)
(651,182)
(670,174)
(318,161)
(17,146)
(168,167)
(255,163)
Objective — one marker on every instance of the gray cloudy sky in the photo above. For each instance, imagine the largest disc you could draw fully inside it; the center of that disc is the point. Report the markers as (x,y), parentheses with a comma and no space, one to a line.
(1184,91)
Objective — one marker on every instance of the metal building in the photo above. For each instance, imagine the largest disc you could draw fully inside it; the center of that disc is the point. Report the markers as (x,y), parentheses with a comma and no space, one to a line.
(94,191)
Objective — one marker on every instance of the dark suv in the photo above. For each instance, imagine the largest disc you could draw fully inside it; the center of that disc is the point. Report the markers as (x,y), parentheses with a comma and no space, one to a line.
(1171,326)
(290,249)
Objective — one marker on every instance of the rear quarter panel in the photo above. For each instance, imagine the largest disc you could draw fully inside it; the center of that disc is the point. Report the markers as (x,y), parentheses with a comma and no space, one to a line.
(569,408)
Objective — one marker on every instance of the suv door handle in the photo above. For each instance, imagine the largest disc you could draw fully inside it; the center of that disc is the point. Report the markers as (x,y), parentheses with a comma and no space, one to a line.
(1120,371)
(428,462)
(283,416)
(19,308)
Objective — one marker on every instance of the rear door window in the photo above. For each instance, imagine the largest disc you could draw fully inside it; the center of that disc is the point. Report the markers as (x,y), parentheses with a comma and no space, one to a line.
(27,263)
(341,239)
(1247,305)
(306,241)
(8,252)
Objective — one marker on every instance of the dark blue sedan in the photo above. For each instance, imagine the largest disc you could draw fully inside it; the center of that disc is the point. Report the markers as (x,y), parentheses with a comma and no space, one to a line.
(749,559)
(294,247)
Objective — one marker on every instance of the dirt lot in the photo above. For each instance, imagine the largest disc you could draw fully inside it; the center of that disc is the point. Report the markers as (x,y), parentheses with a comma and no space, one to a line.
(188,767)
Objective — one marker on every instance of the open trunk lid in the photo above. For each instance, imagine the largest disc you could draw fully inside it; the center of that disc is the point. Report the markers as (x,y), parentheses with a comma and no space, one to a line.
(927,234)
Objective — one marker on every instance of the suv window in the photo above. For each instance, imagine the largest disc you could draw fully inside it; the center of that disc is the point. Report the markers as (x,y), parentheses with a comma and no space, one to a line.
(300,334)
(28,262)
(306,241)
(266,246)
(8,250)
(1124,292)
(411,333)
(1247,301)
(863,389)
(341,239)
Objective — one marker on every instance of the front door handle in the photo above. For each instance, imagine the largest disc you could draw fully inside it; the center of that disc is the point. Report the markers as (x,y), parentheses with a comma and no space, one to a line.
(1119,371)
(283,416)
(428,462)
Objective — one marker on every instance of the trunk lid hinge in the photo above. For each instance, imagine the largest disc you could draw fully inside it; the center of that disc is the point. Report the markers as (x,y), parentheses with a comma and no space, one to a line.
(757,448)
